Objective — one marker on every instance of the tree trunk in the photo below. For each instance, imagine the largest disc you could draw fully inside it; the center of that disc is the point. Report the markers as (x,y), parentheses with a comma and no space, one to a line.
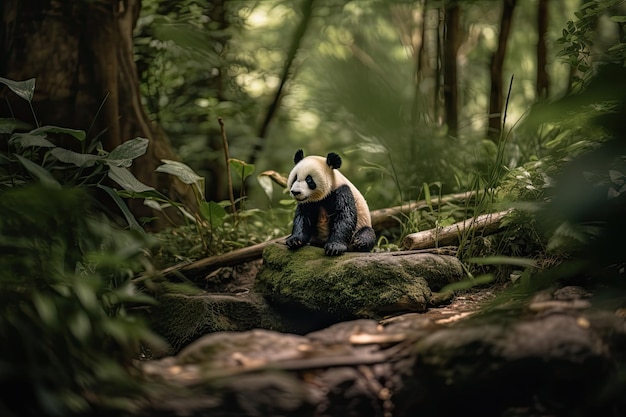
(497,62)
(543,80)
(426,70)
(81,55)
(438,65)
(451,48)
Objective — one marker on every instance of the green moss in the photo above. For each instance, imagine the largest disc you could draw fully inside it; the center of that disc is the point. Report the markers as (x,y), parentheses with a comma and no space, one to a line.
(182,318)
(354,284)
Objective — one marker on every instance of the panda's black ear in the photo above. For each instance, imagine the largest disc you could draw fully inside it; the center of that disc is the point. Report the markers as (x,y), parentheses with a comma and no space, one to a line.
(298,156)
(333,160)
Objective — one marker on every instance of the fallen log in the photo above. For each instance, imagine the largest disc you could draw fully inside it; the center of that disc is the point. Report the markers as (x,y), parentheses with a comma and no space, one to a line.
(381,219)
(198,269)
(392,216)
(444,236)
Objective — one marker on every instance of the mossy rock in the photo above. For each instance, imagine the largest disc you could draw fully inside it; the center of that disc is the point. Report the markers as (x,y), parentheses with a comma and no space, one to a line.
(368,285)
(183,318)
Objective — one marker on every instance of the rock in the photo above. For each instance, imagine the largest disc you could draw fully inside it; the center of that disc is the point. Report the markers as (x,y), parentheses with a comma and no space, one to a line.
(549,365)
(234,349)
(181,319)
(226,303)
(354,285)
(565,362)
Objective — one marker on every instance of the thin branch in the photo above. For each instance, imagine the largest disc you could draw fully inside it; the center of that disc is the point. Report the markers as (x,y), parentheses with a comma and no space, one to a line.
(231,193)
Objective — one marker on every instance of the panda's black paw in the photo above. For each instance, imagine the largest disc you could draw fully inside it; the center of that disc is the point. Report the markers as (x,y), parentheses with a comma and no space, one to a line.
(294,242)
(335,248)
(364,240)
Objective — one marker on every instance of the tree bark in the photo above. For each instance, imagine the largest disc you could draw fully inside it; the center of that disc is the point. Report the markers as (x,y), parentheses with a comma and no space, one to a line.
(543,79)
(427,71)
(497,62)
(450,86)
(81,55)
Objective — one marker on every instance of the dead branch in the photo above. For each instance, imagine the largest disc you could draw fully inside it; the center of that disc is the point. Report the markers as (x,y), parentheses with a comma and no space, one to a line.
(441,236)
(276,177)
(197,270)
(381,219)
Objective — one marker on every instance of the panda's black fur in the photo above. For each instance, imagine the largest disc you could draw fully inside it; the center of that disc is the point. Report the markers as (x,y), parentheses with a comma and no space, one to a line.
(331,211)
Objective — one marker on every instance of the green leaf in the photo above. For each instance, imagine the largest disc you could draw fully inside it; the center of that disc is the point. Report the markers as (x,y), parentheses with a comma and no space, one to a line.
(181,171)
(27,140)
(24,89)
(125,179)
(616,176)
(559,139)
(7,125)
(39,172)
(243,169)
(372,148)
(427,196)
(212,212)
(45,308)
(79,325)
(504,260)
(123,155)
(152,195)
(587,5)
(78,134)
(188,37)
(617,47)
(130,219)
(618,19)
(86,295)
(75,158)
(266,184)
(468,283)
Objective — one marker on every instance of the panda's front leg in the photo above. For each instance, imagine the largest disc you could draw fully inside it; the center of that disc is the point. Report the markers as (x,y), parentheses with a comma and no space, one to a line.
(303,228)
(342,217)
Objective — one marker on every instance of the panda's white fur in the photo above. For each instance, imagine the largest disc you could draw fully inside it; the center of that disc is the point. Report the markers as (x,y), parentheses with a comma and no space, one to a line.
(327,180)
(311,181)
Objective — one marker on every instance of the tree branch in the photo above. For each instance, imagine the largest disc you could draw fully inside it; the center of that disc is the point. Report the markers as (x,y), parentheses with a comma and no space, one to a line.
(307,8)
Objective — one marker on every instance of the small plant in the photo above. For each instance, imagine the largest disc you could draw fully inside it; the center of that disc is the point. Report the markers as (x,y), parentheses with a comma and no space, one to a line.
(215,230)
(32,156)
(579,36)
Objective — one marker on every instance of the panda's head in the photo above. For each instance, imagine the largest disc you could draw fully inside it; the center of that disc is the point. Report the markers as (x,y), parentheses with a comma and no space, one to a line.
(312,178)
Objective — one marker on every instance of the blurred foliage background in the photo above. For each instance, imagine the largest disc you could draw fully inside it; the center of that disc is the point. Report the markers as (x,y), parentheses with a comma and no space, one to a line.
(362,78)
(422,98)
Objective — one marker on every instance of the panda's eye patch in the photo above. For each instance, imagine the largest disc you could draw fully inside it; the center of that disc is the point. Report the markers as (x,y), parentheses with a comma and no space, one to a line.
(310,182)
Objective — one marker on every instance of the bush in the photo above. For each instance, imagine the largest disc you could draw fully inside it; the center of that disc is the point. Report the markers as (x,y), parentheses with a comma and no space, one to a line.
(67,305)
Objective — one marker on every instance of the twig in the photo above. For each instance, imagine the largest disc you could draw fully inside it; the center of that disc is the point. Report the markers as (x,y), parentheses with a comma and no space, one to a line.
(231,193)
(506,105)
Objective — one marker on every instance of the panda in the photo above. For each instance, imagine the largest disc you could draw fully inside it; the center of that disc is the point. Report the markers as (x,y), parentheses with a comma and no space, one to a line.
(330,211)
